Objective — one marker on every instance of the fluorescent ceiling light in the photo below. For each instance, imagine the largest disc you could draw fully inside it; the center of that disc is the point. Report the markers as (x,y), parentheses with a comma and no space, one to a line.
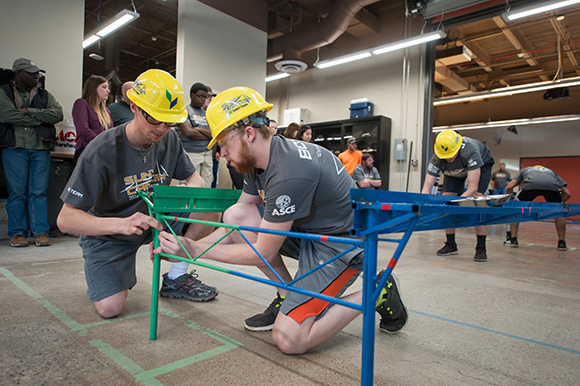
(277,76)
(120,19)
(116,25)
(517,122)
(382,49)
(342,60)
(410,42)
(535,9)
(90,40)
(507,91)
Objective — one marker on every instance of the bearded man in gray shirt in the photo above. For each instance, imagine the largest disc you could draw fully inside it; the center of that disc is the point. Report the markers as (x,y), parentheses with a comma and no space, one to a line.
(366,175)
(288,185)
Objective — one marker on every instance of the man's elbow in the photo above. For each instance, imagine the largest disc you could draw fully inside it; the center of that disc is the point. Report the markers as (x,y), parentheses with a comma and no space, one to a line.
(62,223)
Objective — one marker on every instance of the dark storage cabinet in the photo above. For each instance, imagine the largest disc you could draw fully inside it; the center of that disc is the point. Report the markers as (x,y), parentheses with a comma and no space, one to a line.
(60,171)
(373,134)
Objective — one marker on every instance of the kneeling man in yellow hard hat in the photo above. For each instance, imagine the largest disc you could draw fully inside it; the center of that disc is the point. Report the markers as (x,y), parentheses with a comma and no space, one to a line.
(101,202)
(288,185)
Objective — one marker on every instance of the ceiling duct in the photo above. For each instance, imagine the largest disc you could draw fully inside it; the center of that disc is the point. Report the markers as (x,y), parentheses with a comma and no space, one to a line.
(290,46)
(291,66)
(456,55)
(442,7)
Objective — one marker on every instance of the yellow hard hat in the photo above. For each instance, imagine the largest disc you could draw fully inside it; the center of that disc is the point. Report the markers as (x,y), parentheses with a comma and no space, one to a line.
(230,107)
(160,95)
(447,144)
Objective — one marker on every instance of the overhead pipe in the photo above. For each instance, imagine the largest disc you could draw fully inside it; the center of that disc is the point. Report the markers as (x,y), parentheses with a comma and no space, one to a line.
(291,46)
(292,24)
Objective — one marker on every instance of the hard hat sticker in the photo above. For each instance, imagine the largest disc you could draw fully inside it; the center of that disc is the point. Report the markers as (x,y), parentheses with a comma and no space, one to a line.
(172,103)
(235,104)
(139,88)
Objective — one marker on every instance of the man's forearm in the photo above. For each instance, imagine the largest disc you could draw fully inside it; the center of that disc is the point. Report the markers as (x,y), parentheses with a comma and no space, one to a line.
(194,133)
(50,115)
(18,118)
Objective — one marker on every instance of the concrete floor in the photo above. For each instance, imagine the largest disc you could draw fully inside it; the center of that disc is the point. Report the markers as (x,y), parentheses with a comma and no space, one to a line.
(511,321)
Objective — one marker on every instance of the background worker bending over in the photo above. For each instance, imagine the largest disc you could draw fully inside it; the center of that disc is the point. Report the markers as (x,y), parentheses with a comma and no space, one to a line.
(458,159)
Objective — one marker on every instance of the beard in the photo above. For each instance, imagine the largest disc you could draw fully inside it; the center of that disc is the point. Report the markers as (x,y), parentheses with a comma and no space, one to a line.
(247,161)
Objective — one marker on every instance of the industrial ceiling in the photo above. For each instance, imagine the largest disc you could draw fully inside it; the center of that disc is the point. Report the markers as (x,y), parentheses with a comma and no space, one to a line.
(481,51)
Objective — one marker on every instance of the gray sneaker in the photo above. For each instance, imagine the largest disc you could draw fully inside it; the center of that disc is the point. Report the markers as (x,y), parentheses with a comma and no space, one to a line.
(187,286)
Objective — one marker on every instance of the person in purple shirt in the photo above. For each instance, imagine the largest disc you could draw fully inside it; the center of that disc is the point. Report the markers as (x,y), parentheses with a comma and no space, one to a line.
(90,114)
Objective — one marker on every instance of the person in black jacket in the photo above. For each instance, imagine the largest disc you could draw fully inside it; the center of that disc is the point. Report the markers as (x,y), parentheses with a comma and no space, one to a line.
(27,115)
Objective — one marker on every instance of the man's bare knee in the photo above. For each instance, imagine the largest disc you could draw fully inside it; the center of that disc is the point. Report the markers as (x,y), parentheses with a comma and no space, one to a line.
(286,343)
(111,306)
(109,311)
(242,214)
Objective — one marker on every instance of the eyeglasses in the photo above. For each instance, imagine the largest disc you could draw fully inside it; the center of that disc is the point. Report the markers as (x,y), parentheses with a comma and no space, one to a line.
(155,122)
(202,97)
(222,142)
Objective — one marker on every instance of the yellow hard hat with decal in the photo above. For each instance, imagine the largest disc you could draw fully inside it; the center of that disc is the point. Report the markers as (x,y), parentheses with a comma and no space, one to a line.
(231,106)
(447,144)
(160,95)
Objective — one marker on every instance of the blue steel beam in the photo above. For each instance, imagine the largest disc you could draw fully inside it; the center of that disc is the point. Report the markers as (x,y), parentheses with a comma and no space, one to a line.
(378,212)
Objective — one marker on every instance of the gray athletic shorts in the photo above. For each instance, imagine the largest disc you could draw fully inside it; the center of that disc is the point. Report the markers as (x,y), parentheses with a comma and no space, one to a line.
(332,280)
(456,184)
(110,264)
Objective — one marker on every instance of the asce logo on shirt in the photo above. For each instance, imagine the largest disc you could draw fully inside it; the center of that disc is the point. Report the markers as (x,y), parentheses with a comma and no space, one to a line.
(284,207)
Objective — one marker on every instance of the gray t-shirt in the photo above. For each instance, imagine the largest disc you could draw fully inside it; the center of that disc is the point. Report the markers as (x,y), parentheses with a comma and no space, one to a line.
(196,117)
(110,172)
(304,183)
(361,173)
(473,154)
(500,179)
(539,178)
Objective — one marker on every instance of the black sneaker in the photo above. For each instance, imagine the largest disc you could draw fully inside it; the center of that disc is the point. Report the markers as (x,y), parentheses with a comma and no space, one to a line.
(448,249)
(480,254)
(391,308)
(513,242)
(187,286)
(562,245)
(265,320)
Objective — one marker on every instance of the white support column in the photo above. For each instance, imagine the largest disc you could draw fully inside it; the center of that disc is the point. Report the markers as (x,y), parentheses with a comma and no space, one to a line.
(218,50)
(50,33)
